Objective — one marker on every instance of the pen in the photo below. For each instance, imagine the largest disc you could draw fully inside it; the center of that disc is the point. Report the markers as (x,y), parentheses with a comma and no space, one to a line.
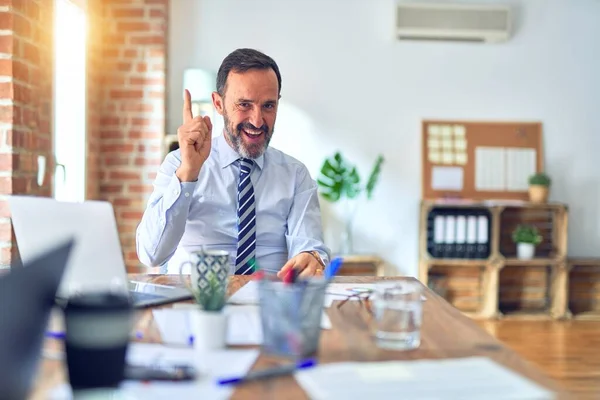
(268,373)
(55,335)
(189,329)
(61,335)
(333,267)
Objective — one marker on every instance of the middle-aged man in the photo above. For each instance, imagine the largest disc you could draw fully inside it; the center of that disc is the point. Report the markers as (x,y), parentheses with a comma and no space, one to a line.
(234,192)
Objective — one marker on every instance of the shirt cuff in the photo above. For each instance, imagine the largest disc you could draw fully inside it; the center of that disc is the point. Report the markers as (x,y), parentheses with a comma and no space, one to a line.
(178,192)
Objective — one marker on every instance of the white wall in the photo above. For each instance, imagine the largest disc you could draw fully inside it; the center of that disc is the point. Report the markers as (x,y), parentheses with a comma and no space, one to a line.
(348,85)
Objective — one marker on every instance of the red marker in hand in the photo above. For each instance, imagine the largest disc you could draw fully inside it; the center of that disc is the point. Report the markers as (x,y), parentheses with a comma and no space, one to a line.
(290,276)
(258,275)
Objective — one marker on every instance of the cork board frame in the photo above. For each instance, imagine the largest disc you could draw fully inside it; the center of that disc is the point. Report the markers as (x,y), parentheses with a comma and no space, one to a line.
(479,160)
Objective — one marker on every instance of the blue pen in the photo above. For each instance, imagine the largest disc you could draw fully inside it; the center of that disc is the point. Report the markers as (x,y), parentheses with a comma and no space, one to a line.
(333,267)
(61,335)
(55,335)
(269,372)
(190,338)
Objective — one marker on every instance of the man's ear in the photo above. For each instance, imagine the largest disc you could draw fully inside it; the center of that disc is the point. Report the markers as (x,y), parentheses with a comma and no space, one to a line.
(218,102)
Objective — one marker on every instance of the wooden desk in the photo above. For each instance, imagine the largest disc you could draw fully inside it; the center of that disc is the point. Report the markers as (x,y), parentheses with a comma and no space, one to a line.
(446,333)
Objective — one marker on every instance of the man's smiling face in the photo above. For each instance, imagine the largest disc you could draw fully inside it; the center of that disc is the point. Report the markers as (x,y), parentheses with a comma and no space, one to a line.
(249,110)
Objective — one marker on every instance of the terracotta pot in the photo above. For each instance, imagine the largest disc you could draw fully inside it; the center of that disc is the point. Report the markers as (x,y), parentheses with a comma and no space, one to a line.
(538,193)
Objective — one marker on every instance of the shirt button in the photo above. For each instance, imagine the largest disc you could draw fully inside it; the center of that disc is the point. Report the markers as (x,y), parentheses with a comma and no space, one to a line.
(187,195)
(175,192)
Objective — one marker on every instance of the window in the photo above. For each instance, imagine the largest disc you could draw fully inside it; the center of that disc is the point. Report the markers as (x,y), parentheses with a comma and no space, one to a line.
(70,34)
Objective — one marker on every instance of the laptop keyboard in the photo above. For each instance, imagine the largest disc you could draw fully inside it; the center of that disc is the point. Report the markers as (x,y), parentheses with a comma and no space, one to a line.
(142,296)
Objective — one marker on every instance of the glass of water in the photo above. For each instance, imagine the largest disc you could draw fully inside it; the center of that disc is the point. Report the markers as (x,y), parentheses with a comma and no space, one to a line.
(398,313)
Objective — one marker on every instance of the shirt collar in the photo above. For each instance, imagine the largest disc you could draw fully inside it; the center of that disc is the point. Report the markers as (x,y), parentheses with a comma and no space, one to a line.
(228,156)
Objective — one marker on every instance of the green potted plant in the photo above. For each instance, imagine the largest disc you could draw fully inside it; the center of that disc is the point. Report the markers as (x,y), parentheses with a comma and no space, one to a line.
(339,181)
(526,237)
(539,187)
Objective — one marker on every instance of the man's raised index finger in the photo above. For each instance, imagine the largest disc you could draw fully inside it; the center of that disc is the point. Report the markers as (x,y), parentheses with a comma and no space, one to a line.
(187,106)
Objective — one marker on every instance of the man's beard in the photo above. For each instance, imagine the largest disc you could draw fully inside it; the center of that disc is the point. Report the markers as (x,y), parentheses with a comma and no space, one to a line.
(246,150)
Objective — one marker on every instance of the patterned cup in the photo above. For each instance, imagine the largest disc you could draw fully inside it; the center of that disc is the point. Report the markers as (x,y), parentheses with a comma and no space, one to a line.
(209,275)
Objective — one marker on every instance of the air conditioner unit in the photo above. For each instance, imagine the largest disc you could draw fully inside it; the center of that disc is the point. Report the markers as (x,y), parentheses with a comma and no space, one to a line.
(453,21)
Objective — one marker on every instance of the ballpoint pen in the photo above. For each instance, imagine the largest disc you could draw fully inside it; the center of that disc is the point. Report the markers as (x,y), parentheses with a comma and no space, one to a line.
(268,373)
(62,335)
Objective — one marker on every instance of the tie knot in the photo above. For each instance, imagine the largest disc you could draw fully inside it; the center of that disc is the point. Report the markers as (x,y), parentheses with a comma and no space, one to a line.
(246,165)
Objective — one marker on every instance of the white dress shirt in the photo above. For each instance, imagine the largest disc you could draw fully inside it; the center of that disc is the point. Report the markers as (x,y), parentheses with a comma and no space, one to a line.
(180,217)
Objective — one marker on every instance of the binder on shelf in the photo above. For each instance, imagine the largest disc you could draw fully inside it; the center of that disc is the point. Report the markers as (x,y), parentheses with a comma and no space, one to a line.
(471,247)
(450,236)
(458,233)
(438,235)
(461,236)
(483,237)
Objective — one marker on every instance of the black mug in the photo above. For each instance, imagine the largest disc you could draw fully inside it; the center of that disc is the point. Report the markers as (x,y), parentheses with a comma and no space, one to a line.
(97,332)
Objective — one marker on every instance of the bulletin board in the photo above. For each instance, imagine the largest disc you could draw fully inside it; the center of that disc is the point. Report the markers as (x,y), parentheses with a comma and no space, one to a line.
(480,160)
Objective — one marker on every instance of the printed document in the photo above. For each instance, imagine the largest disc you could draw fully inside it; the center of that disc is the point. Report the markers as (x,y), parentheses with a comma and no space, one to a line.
(248,294)
(243,325)
(473,378)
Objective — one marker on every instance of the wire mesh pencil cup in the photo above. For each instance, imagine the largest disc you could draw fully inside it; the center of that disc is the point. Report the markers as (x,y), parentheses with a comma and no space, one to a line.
(291,316)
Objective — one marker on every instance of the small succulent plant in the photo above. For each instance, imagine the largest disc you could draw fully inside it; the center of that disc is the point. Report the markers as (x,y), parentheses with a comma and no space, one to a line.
(213,296)
(540,179)
(527,234)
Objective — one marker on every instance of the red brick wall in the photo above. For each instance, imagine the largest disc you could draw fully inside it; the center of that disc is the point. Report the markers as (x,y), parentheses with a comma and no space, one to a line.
(126,107)
(26,77)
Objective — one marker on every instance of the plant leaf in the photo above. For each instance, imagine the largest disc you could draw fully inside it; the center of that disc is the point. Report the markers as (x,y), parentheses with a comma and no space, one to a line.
(332,179)
(374,177)
(351,184)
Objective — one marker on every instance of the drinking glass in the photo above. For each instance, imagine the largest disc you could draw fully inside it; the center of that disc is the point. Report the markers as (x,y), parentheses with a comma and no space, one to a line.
(398,314)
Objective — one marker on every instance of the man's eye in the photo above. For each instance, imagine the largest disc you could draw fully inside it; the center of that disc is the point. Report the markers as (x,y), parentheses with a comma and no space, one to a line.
(244,105)
(269,106)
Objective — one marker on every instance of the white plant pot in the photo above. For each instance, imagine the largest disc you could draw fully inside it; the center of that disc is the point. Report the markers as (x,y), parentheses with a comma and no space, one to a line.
(209,330)
(525,251)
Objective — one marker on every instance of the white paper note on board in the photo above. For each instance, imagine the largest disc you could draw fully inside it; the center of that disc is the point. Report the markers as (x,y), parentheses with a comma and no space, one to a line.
(447,178)
(490,168)
(520,165)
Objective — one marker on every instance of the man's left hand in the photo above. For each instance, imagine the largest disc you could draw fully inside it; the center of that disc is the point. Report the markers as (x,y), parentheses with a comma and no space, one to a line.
(304,262)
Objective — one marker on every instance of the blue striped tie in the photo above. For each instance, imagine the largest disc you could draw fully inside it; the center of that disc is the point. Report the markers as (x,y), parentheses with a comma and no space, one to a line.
(246,221)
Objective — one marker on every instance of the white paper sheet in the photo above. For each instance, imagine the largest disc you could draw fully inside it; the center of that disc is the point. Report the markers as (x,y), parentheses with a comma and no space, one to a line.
(447,178)
(248,294)
(490,168)
(520,165)
(243,325)
(211,366)
(341,291)
(466,378)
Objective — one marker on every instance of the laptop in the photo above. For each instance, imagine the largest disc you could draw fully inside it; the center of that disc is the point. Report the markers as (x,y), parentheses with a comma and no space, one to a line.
(26,300)
(96,262)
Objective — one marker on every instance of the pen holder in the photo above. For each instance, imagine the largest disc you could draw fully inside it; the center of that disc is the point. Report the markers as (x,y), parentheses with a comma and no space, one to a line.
(291,316)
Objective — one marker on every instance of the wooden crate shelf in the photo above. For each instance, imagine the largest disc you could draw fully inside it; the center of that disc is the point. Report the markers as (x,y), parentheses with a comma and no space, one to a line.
(361,265)
(584,288)
(468,288)
(533,290)
(507,287)
(548,220)
(522,289)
